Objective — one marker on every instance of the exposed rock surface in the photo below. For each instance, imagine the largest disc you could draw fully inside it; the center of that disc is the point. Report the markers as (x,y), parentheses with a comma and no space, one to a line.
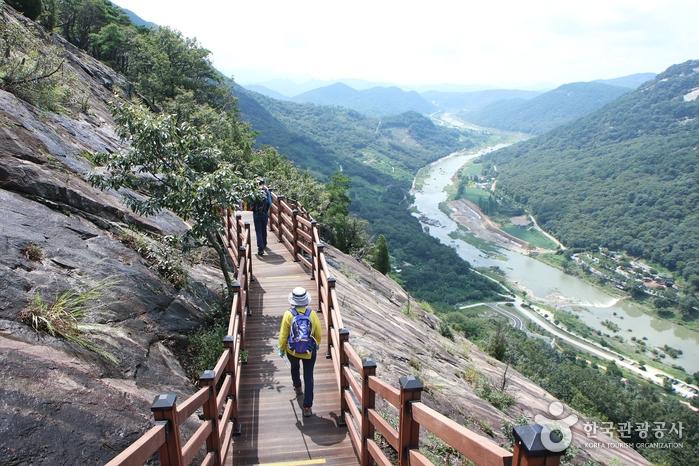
(374,309)
(59,402)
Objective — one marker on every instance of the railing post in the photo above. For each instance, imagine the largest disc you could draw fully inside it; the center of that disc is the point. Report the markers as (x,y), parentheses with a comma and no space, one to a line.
(368,402)
(249,249)
(280,200)
(314,252)
(408,430)
(239,312)
(295,234)
(213,441)
(164,408)
(227,224)
(269,213)
(232,369)
(529,449)
(320,248)
(238,232)
(344,383)
(329,305)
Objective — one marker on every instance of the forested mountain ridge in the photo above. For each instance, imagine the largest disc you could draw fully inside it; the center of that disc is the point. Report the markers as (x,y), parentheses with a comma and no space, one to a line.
(376,101)
(632,81)
(395,145)
(381,157)
(625,177)
(546,111)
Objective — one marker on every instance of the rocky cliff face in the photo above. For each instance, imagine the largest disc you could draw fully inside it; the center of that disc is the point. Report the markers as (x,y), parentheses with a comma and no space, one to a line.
(58,399)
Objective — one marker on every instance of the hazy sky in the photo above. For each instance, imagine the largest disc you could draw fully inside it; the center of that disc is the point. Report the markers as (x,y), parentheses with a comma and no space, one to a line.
(525,44)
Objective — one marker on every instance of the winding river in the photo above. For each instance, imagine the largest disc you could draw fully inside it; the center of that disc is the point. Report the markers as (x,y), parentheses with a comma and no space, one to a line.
(545,283)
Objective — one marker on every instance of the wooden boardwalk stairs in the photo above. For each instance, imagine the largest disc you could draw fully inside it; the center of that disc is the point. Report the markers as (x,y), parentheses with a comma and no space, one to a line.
(273,429)
(249,391)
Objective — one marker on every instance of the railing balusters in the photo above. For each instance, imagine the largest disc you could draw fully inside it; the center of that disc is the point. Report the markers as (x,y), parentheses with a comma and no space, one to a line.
(232,369)
(314,251)
(280,209)
(344,362)
(238,232)
(328,306)
(295,233)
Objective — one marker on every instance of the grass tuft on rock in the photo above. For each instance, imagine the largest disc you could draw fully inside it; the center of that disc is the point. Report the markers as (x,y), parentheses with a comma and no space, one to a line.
(33,252)
(62,317)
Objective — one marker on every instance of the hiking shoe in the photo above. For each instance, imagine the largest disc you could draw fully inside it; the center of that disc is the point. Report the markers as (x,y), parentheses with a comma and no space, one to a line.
(260,252)
(298,391)
(307,411)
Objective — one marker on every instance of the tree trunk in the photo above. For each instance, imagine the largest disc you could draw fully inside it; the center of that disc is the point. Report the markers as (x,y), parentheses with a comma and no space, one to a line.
(223,260)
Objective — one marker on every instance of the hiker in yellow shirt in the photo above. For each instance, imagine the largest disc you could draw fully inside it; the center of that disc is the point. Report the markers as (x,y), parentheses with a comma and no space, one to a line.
(299,340)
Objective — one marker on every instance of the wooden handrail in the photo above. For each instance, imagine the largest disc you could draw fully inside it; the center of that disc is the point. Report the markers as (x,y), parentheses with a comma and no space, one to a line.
(473,446)
(219,387)
(297,230)
(142,449)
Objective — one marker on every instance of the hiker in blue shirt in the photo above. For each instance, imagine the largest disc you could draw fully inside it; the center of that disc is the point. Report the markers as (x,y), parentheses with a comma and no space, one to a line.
(299,339)
(260,215)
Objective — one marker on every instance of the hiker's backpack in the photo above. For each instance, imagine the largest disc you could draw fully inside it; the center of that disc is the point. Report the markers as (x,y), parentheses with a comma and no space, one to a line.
(300,338)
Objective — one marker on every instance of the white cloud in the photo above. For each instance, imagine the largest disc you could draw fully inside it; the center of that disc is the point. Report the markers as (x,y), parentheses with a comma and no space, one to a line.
(496,42)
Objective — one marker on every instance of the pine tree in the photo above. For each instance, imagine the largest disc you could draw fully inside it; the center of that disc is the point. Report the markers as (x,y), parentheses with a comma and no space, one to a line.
(381,259)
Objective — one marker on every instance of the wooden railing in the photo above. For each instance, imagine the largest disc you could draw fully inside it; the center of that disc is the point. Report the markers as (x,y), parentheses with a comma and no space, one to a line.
(358,385)
(217,397)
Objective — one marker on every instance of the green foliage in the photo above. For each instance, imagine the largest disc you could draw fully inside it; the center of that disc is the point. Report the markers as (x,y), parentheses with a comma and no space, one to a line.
(381,260)
(613,370)
(345,231)
(486,390)
(181,167)
(163,63)
(497,346)
(29,8)
(623,177)
(164,258)
(603,395)
(286,179)
(80,19)
(62,317)
(445,330)
(498,398)
(32,70)
(205,347)
(32,251)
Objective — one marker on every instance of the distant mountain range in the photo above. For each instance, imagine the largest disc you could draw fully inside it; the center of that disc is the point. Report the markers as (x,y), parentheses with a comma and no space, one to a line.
(631,81)
(376,101)
(624,177)
(473,100)
(500,108)
(548,110)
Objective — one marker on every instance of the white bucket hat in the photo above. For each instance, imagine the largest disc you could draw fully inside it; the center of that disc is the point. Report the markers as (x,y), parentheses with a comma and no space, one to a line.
(299,297)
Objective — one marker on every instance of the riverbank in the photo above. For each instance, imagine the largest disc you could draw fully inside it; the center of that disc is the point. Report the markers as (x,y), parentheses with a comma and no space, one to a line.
(484,229)
(545,284)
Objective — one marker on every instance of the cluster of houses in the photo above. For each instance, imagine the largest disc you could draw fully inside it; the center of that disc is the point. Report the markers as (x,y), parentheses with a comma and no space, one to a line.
(616,268)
